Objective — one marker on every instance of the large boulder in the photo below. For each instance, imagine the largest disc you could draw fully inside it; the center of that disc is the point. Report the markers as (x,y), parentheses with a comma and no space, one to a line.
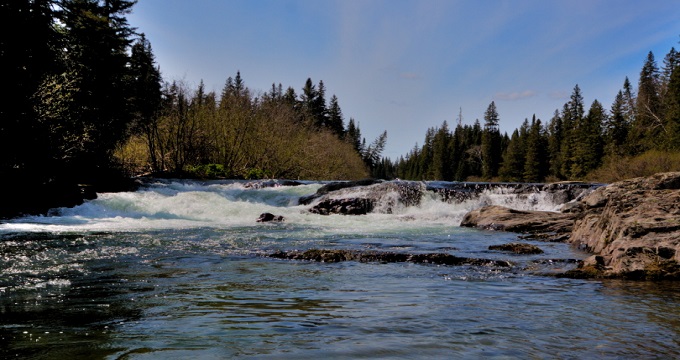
(540,224)
(632,228)
(360,198)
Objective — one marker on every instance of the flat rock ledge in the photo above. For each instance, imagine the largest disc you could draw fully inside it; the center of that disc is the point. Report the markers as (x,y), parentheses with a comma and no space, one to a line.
(339,255)
(631,228)
(546,225)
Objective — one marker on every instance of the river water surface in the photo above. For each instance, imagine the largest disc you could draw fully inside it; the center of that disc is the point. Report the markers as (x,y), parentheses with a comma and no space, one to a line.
(179,269)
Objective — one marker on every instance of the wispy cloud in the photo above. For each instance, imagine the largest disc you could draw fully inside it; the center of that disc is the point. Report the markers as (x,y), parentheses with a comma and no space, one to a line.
(559,95)
(512,96)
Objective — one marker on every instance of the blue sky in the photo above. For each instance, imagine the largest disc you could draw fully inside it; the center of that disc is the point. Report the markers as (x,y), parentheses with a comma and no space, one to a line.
(404,66)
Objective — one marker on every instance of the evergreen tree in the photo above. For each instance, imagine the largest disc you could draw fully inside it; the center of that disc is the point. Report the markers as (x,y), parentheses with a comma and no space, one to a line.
(29,52)
(86,107)
(335,121)
(587,151)
(672,114)
(556,133)
(616,129)
(372,153)
(536,158)
(441,162)
(491,143)
(513,160)
(145,95)
(353,136)
(647,127)
(572,116)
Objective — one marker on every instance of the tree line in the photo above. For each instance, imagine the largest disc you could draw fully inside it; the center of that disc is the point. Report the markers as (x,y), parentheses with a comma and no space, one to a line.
(87,104)
(240,134)
(639,134)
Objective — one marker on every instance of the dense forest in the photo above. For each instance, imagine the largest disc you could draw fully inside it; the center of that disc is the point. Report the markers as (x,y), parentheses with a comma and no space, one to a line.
(88,104)
(638,135)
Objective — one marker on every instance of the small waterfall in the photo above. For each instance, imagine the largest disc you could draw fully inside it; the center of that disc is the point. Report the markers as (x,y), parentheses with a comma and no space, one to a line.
(395,197)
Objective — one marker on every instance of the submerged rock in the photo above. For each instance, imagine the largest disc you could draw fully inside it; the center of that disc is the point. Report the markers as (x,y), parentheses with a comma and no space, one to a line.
(269,217)
(632,227)
(518,248)
(339,255)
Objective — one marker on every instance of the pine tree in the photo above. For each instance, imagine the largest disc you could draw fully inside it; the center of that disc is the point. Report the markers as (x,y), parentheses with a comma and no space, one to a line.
(491,143)
(616,129)
(87,105)
(672,114)
(572,116)
(145,101)
(441,162)
(536,160)
(587,151)
(335,121)
(513,159)
(647,127)
(29,53)
(556,133)
(353,136)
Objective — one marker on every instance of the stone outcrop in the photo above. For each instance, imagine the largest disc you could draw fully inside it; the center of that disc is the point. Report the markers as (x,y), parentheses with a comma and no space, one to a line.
(633,229)
(547,225)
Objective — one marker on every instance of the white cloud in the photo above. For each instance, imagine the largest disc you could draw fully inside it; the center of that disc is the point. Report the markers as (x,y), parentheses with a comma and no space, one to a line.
(512,96)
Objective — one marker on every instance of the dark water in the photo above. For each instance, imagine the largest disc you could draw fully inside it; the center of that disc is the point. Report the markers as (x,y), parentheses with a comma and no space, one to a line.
(179,271)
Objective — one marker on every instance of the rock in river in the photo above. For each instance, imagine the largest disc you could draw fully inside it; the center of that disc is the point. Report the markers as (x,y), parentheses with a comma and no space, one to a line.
(632,227)
(541,224)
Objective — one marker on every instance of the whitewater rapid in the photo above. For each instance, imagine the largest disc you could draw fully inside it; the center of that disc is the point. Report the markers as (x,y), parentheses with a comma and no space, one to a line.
(181,204)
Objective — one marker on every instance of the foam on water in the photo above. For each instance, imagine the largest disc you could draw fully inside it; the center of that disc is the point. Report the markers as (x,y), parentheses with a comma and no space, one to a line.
(191,204)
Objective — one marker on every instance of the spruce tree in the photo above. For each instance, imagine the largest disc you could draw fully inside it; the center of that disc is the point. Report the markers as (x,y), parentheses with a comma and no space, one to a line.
(491,143)
(555,137)
(145,93)
(616,129)
(587,150)
(536,160)
(86,106)
(647,128)
(513,160)
(335,121)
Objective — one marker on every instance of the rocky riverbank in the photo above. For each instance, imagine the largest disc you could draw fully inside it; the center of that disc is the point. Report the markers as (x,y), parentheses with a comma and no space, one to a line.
(631,227)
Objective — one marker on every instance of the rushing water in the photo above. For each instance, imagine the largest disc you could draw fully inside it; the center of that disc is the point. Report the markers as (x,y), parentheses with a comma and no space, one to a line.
(179,270)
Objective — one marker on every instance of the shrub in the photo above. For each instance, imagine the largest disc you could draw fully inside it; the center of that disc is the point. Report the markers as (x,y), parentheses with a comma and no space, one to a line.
(649,163)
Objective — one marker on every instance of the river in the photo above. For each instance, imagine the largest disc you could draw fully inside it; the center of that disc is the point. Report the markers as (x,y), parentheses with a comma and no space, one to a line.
(179,269)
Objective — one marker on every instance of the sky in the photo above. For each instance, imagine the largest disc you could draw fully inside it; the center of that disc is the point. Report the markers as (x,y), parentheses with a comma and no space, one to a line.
(405,66)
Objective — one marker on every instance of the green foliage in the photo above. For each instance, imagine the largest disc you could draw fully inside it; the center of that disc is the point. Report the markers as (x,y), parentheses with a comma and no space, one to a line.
(250,137)
(208,171)
(649,163)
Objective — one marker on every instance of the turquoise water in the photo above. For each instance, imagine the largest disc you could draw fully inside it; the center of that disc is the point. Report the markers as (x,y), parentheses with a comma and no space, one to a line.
(179,270)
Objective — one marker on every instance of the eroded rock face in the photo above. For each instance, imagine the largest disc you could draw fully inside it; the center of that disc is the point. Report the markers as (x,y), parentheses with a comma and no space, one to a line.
(540,224)
(633,229)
